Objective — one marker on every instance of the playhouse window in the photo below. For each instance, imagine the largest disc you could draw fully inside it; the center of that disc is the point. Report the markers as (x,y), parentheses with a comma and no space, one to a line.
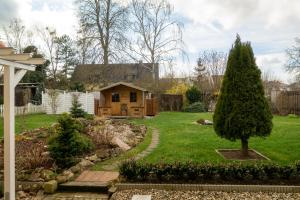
(115,97)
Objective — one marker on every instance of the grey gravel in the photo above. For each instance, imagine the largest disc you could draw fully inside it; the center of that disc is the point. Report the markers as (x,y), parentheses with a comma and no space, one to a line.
(204,195)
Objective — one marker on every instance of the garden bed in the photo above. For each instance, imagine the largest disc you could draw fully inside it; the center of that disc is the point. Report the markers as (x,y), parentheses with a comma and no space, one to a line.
(34,163)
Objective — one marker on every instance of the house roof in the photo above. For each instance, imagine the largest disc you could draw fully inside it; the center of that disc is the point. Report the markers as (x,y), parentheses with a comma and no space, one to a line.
(113,73)
(125,84)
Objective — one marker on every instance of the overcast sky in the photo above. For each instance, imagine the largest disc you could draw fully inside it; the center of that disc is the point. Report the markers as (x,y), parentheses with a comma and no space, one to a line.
(270,25)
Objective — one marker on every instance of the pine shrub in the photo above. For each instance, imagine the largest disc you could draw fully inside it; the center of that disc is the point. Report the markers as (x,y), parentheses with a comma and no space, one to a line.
(67,143)
(193,95)
(76,110)
(242,110)
(194,107)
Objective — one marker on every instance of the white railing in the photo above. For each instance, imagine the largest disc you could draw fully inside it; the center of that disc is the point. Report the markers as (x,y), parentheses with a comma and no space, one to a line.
(28,109)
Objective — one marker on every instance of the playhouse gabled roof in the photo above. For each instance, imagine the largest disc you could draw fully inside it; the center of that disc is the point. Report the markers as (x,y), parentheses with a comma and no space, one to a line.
(125,84)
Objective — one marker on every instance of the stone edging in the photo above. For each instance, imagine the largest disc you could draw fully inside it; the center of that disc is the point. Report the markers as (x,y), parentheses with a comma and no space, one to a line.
(218,152)
(210,187)
(151,147)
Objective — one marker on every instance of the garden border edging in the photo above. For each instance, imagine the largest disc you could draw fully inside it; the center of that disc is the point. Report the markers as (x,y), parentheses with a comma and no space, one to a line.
(211,187)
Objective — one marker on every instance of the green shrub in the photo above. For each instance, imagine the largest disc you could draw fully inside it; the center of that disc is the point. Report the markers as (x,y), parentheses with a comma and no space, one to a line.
(227,172)
(193,95)
(68,143)
(195,107)
(76,110)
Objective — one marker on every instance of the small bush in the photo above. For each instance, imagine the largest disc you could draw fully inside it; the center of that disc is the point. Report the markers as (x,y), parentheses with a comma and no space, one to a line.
(68,143)
(207,172)
(193,95)
(195,107)
(76,110)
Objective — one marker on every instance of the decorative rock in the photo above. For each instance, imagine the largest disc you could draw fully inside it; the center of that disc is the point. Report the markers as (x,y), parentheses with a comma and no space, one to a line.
(39,195)
(68,174)
(75,169)
(36,177)
(21,194)
(102,154)
(85,163)
(61,179)
(50,186)
(92,158)
(47,174)
(208,122)
(46,153)
(116,141)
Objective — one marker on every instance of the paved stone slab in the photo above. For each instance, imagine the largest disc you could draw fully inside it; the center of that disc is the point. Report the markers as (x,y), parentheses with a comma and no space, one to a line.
(76,196)
(97,176)
(141,197)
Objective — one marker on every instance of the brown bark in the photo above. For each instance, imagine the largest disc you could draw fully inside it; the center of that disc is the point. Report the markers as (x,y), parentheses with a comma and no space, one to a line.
(244,142)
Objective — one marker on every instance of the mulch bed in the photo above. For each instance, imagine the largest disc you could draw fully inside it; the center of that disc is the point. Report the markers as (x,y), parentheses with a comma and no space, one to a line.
(236,154)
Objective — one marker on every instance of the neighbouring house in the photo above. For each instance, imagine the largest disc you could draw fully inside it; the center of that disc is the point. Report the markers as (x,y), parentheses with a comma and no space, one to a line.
(125,100)
(96,76)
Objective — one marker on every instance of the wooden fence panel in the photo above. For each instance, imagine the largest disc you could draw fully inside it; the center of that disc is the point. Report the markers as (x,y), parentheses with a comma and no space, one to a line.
(170,102)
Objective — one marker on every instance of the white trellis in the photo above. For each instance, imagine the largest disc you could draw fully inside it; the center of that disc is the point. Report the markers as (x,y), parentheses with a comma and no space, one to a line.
(15,67)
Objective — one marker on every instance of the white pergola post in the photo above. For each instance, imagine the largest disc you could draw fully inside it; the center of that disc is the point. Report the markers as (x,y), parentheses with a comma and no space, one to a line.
(11,63)
(9,133)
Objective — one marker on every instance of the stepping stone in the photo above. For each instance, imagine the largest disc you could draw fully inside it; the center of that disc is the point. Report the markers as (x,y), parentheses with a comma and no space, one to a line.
(97,176)
(141,197)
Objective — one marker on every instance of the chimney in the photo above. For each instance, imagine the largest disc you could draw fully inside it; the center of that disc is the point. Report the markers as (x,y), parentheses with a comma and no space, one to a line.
(2,45)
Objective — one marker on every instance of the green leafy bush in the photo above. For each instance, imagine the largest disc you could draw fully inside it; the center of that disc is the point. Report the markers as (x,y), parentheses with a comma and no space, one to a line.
(76,110)
(193,95)
(68,143)
(206,172)
(195,107)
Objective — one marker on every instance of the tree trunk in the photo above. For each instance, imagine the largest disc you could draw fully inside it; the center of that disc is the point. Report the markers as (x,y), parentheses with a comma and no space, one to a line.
(244,150)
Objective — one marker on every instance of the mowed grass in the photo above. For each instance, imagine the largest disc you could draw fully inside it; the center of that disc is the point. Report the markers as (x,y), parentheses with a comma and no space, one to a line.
(30,122)
(181,139)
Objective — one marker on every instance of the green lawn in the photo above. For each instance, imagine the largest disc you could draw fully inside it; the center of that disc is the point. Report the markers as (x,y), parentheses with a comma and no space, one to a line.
(183,140)
(29,122)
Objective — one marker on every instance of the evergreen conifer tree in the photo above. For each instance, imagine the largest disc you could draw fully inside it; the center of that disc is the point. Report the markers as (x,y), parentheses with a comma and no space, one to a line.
(242,110)
(76,110)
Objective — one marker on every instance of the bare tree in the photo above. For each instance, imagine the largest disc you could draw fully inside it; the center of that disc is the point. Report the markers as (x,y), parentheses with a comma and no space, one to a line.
(104,21)
(157,35)
(16,35)
(49,47)
(211,66)
(293,63)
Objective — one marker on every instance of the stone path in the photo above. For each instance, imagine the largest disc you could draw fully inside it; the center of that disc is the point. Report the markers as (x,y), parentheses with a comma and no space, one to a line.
(147,151)
(77,196)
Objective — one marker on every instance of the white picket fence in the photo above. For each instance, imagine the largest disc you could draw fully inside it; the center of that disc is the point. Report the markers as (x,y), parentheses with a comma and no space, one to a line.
(63,102)
(27,109)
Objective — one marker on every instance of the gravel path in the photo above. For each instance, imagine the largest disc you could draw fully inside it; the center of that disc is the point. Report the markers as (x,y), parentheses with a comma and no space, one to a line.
(204,195)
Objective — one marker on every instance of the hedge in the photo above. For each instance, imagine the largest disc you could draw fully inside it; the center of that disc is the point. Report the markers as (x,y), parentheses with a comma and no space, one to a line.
(133,171)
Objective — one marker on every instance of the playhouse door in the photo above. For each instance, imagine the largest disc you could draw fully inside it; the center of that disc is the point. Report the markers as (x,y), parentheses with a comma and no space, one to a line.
(115,104)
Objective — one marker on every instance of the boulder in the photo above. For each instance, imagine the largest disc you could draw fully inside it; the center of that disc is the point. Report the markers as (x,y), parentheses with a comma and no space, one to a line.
(208,122)
(36,177)
(102,153)
(68,174)
(50,186)
(47,174)
(85,163)
(75,169)
(116,141)
(92,158)
(21,194)
(61,179)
